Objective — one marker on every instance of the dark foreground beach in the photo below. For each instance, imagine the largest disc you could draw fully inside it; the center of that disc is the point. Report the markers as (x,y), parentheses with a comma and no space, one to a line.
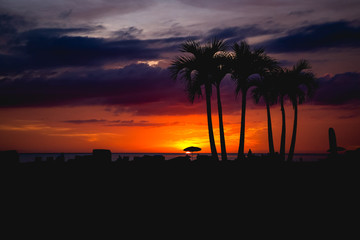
(152,180)
(178,194)
(99,165)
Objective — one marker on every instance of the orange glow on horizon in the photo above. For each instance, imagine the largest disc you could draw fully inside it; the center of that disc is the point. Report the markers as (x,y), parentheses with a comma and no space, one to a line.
(49,130)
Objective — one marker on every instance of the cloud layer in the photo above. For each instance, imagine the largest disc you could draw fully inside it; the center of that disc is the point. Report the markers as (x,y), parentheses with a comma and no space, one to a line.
(69,65)
(341,34)
(46,48)
(133,84)
(339,89)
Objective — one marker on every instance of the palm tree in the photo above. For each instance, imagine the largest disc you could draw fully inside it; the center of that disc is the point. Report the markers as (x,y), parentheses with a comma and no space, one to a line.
(301,84)
(218,72)
(195,71)
(265,88)
(246,63)
(281,87)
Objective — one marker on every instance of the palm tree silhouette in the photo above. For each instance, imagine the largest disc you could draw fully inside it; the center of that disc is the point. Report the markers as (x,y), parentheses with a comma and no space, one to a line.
(218,72)
(246,63)
(195,70)
(281,86)
(265,87)
(301,84)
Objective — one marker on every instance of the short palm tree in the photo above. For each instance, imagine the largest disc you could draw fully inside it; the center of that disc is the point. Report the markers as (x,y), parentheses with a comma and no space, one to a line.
(301,84)
(195,69)
(246,63)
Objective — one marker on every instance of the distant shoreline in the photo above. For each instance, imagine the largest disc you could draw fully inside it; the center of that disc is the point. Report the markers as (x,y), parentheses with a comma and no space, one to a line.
(29,157)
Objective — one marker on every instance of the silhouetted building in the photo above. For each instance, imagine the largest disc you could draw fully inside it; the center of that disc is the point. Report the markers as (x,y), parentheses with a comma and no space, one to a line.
(204,160)
(102,156)
(147,160)
(60,158)
(180,161)
(38,160)
(9,158)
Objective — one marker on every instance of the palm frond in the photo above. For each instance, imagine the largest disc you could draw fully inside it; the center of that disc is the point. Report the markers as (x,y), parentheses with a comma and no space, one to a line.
(193,88)
(301,65)
(182,65)
(300,82)
(203,65)
(248,64)
(191,46)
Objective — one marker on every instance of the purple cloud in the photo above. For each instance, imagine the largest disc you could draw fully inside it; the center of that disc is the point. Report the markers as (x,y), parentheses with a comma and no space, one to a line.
(138,88)
(235,34)
(127,33)
(120,123)
(85,121)
(131,85)
(339,89)
(315,37)
(47,48)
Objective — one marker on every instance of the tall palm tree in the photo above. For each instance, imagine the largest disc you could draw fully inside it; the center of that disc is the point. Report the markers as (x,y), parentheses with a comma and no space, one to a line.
(265,88)
(302,83)
(281,87)
(246,63)
(194,69)
(218,72)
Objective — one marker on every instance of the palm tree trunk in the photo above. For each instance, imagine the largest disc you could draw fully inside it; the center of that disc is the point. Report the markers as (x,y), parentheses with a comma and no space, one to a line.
(210,126)
(293,138)
(221,125)
(270,135)
(283,130)
(242,129)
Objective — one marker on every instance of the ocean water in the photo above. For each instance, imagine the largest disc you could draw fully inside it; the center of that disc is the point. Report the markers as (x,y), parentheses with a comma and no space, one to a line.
(29,157)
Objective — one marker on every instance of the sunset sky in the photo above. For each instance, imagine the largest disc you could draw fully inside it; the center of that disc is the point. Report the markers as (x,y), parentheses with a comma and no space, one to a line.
(77,75)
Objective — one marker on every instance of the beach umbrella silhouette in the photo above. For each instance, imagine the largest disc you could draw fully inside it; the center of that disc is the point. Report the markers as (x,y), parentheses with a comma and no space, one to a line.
(192,149)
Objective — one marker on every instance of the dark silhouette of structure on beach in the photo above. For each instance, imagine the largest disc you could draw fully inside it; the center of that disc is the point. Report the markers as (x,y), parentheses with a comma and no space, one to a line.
(101,156)
(9,158)
(102,159)
(333,148)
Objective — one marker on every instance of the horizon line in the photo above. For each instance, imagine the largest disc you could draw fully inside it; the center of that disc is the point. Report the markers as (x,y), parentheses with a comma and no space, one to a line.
(158,153)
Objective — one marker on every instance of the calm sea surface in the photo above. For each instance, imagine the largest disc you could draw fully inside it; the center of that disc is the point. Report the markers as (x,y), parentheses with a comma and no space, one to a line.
(29,157)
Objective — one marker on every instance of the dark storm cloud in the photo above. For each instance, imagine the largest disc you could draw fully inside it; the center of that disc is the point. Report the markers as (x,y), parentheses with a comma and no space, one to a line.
(265,6)
(19,49)
(9,28)
(85,51)
(131,85)
(317,37)
(9,23)
(49,33)
(137,89)
(53,47)
(339,89)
